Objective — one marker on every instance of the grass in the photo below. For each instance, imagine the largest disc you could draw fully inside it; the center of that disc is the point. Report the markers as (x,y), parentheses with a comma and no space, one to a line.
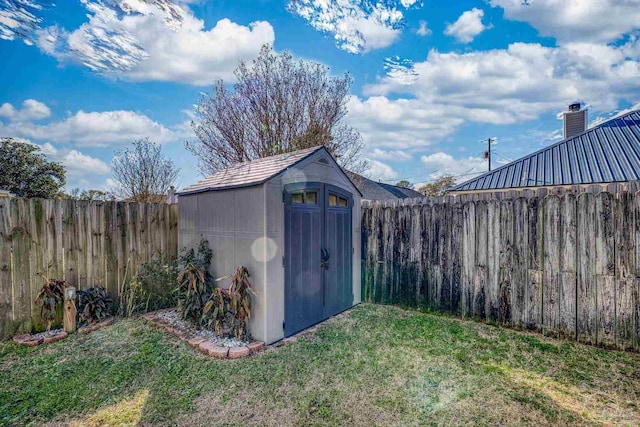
(375,365)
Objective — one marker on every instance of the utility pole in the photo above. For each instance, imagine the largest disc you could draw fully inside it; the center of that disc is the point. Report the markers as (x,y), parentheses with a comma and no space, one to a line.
(487,154)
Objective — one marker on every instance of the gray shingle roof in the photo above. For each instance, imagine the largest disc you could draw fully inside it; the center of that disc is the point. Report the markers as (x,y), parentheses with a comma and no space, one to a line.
(372,190)
(400,192)
(250,173)
(609,152)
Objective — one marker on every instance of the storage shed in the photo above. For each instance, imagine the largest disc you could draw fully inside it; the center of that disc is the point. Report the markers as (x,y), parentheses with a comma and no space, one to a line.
(294,221)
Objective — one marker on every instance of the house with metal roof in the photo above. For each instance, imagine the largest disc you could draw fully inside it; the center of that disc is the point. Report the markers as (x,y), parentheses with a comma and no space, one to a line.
(606,153)
(372,190)
(293,220)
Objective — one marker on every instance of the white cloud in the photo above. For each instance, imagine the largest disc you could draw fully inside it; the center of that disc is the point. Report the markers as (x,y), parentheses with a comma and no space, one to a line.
(423,29)
(467,26)
(48,149)
(400,70)
(516,84)
(613,114)
(380,171)
(96,129)
(394,155)
(7,110)
(19,18)
(158,41)
(400,123)
(78,164)
(590,21)
(441,163)
(31,110)
(357,26)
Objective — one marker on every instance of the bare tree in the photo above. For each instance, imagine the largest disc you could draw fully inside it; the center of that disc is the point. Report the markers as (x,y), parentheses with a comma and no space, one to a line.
(142,172)
(277,105)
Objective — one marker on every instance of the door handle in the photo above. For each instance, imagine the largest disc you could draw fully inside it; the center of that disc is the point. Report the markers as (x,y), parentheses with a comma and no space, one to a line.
(324,258)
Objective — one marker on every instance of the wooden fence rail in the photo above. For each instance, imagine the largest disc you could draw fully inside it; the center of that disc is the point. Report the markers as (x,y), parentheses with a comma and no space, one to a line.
(85,243)
(567,266)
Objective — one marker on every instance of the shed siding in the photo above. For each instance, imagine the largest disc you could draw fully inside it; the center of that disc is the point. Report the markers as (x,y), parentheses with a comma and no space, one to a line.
(233,223)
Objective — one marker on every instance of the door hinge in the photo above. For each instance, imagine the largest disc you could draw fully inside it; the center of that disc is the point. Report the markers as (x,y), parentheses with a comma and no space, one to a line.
(284,261)
(283,325)
(283,197)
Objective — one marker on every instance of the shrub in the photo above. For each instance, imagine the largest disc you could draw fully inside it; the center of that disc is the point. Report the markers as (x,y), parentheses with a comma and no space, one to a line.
(194,281)
(215,311)
(132,298)
(228,310)
(239,294)
(157,279)
(201,257)
(94,304)
(48,299)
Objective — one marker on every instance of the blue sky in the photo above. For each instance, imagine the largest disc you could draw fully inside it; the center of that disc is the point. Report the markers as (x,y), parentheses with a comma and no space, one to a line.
(431,78)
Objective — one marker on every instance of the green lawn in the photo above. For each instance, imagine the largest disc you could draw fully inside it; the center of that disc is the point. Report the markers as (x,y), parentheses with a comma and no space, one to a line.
(375,365)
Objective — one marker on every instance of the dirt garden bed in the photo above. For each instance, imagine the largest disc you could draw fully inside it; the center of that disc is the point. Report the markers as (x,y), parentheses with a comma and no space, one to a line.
(208,342)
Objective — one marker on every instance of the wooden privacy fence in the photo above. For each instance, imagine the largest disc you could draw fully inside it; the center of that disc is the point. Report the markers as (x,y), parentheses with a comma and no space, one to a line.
(85,243)
(568,266)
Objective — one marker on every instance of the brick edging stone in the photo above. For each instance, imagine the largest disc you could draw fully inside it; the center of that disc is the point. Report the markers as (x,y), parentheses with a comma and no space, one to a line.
(29,341)
(206,347)
(92,327)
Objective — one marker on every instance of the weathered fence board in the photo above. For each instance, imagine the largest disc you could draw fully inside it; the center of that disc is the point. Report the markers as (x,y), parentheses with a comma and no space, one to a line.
(625,271)
(551,266)
(425,233)
(480,276)
(566,263)
(636,264)
(568,266)
(6,259)
(505,264)
(519,259)
(605,269)
(85,243)
(415,256)
(21,292)
(492,291)
(586,284)
(533,299)
(468,258)
(456,258)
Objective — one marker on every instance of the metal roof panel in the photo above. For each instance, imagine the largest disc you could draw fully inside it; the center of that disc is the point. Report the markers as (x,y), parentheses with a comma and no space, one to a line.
(608,152)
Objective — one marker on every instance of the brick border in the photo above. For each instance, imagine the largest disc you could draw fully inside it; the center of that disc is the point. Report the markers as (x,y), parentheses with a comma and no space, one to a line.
(29,341)
(205,347)
(95,326)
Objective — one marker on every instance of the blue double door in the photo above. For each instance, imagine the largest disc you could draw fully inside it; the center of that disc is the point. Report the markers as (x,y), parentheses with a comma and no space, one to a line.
(318,254)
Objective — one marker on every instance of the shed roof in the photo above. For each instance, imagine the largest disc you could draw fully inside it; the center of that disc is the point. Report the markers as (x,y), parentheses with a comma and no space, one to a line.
(609,152)
(254,172)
